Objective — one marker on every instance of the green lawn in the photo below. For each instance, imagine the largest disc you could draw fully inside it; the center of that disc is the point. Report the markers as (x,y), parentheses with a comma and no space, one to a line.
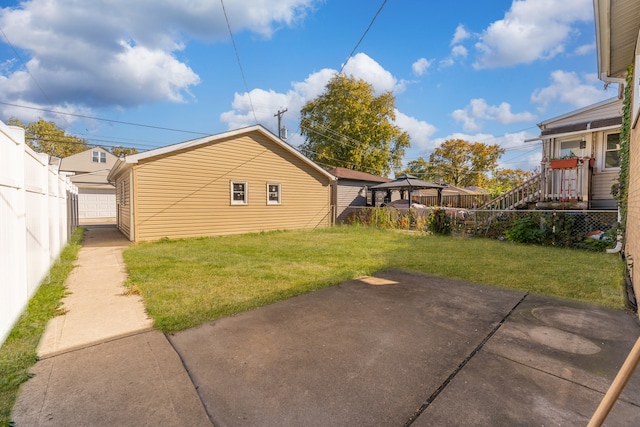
(187,282)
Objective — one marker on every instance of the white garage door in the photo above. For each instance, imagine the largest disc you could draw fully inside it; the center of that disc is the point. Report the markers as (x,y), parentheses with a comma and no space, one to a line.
(96,203)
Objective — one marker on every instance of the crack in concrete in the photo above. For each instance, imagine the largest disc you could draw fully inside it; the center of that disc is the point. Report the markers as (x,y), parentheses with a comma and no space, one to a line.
(450,378)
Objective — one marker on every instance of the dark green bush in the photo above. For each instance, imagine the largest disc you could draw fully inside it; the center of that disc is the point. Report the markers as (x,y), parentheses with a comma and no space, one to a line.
(525,230)
(438,222)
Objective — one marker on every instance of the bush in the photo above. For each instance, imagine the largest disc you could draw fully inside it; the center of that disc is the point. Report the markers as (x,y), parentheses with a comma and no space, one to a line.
(438,222)
(525,230)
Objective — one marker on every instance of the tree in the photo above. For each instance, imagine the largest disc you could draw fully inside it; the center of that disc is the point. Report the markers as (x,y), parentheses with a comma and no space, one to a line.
(464,164)
(504,180)
(349,126)
(46,137)
(422,169)
(120,151)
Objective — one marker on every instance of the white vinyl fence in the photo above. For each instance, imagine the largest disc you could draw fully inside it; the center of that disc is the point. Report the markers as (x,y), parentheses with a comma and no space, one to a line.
(38,212)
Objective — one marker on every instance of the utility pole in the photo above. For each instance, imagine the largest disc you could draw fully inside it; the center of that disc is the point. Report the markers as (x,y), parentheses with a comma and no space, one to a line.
(282,131)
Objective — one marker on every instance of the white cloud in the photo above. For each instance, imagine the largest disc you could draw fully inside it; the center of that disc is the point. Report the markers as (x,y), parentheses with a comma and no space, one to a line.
(459,51)
(421,66)
(266,102)
(531,30)
(585,49)
(446,62)
(364,67)
(122,53)
(570,88)
(419,131)
(478,110)
(460,35)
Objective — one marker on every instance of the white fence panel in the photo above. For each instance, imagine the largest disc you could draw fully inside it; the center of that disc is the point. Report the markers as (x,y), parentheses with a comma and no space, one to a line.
(38,211)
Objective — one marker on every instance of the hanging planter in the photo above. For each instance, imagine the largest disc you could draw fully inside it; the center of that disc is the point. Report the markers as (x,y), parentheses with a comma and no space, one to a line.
(568,163)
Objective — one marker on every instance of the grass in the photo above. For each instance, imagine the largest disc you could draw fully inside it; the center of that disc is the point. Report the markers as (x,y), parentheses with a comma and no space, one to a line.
(187,282)
(18,353)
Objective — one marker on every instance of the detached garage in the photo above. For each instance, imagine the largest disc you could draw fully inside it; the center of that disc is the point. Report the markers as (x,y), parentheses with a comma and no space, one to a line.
(242,181)
(96,197)
(96,203)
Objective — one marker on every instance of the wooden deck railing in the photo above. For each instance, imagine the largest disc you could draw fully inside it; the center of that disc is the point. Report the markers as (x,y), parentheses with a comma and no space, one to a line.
(528,191)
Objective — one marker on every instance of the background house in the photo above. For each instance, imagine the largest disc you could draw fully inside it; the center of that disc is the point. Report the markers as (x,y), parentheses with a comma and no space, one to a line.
(617,35)
(352,190)
(241,181)
(580,162)
(96,197)
(590,136)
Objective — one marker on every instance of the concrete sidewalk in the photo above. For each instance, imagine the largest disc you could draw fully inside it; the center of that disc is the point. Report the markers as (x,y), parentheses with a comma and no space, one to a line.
(97,309)
(102,364)
(396,349)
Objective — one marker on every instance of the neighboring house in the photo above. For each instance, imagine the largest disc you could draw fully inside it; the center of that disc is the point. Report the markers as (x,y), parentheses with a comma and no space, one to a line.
(96,197)
(580,162)
(617,35)
(580,157)
(241,181)
(352,190)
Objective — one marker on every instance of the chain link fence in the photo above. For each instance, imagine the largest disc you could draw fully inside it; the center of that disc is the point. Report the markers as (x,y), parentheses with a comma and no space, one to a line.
(587,229)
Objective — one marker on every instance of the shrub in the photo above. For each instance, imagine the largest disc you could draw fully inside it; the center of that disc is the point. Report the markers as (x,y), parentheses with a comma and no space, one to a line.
(438,222)
(525,230)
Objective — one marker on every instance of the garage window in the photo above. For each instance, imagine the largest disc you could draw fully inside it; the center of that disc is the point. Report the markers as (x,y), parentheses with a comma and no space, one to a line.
(273,194)
(239,193)
(123,199)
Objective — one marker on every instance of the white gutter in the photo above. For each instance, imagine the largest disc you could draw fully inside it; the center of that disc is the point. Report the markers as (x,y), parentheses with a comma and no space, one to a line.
(576,132)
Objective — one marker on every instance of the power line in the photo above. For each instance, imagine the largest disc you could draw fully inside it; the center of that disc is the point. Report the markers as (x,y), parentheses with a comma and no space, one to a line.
(105,120)
(235,48)
(363,35)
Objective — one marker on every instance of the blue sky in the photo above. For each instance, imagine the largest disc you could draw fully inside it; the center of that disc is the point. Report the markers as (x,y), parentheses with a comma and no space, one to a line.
(485,71)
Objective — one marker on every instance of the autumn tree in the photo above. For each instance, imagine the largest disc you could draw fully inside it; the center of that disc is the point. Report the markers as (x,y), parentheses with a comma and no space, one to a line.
(464,164)
(504,180)
(423,170)
(46,137)
(349,126)
(120,151)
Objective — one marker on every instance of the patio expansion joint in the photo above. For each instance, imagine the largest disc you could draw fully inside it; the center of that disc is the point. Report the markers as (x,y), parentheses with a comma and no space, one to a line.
(191,379)
(462,364)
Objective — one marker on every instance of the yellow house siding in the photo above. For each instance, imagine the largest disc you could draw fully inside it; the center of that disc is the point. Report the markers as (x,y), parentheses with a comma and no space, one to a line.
(188,193)
(123,205)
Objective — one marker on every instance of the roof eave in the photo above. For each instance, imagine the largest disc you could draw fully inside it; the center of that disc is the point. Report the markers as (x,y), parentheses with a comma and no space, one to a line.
(135,158)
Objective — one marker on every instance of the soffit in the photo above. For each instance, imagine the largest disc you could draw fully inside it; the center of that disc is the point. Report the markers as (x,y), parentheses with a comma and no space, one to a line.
(624,23)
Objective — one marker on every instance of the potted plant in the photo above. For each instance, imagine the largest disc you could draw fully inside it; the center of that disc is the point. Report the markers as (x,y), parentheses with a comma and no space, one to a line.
(569,161)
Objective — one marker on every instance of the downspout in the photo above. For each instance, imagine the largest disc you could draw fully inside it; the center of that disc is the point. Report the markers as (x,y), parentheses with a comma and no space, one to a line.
(618,247)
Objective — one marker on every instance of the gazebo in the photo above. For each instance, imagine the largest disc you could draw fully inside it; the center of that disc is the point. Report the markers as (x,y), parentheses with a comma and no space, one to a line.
(407,183)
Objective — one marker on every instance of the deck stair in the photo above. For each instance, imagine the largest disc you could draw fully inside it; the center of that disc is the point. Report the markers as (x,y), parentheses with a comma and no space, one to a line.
(517,198)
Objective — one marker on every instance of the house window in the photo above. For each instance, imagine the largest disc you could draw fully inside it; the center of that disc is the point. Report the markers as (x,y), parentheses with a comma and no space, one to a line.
(123,199)
(98,157)
(273,194)
(239,193)
(569,149)
(612,151)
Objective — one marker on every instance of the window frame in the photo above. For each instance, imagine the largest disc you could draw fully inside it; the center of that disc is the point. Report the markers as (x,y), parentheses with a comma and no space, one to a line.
(605,150)
(279,187)
(245,200)
(98,156)
(123,192)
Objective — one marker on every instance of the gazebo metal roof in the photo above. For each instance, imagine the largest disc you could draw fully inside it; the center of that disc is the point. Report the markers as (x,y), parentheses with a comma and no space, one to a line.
(405,182)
